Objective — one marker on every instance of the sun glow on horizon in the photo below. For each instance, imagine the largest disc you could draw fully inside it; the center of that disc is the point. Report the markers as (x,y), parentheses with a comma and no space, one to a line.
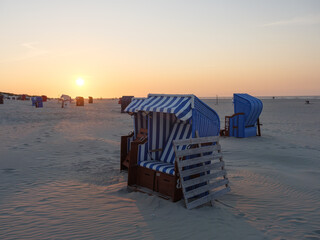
(80,82)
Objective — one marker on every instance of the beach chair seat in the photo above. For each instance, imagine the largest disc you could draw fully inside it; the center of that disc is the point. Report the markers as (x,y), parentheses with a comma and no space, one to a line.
(167,168)
(159,175)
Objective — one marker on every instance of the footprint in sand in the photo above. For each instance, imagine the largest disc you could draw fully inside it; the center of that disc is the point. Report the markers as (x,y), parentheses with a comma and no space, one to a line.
(101,158)
(57,153)
(47,135)
(8,170)
(317,232)
(116,152)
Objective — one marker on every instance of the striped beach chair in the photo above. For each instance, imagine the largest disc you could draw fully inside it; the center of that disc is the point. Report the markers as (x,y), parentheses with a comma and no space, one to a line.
(152,165)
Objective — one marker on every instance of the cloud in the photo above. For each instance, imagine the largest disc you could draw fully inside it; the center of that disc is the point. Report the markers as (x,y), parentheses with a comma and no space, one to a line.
(33,50)
(307,20)
(29,50)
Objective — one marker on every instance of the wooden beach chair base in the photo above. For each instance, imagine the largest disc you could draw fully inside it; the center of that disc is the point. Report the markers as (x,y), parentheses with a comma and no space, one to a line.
(157,183)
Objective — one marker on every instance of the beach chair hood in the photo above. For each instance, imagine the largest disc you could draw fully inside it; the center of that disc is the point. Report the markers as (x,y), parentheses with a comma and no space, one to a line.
(180,105)
(184,107)
(65,97)
(249,105)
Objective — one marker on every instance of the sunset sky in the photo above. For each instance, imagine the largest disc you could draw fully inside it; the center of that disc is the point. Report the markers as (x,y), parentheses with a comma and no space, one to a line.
(134,47)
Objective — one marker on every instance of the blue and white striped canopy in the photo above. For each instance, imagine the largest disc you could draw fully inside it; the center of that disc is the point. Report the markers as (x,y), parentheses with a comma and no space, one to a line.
(135,103)
(180,105)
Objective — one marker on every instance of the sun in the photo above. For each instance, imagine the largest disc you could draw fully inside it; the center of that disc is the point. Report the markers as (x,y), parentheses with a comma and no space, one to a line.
(80,82)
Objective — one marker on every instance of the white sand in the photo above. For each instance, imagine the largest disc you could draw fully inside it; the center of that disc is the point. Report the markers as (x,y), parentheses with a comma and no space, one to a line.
(60,179)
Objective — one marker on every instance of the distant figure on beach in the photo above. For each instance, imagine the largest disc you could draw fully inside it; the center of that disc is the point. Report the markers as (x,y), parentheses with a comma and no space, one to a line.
(307,102)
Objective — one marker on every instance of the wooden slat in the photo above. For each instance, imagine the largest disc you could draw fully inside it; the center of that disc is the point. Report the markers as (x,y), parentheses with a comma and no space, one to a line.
(205,188)
(196,160)
(208,173)
(207,198)
(195,140)
(201,169)
(191,151)
(204,178)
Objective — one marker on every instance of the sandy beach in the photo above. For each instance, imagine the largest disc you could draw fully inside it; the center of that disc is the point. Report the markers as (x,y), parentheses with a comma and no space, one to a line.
(60,178)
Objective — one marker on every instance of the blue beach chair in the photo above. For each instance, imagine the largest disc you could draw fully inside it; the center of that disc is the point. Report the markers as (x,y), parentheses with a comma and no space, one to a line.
(166,118)
(245,120)
(37,102)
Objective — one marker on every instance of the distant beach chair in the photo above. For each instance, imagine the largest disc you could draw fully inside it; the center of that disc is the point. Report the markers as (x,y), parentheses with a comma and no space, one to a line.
(44,98)
(37,102)
(245,120)
(33,101)
(79,101)
(151,165)
(65,100)
(125,101)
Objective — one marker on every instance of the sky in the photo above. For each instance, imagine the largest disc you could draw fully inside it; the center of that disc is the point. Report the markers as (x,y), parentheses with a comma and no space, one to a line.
(136,47)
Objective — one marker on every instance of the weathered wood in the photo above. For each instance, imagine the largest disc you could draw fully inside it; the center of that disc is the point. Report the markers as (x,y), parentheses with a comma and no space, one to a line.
(206,168)
(201,169)
(207,198)
(124,151)
(206,188)
(192,151)
(201,179)
(259,130)
(196,160)
(143,133)
(196,140)
(132,170)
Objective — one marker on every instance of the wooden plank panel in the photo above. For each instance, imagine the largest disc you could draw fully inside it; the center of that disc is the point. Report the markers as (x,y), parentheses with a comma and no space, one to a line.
(191,151)
(196,140)
(206,188)
(207,198)
(207,173)
(202,159)
(204,178)
(201,169)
